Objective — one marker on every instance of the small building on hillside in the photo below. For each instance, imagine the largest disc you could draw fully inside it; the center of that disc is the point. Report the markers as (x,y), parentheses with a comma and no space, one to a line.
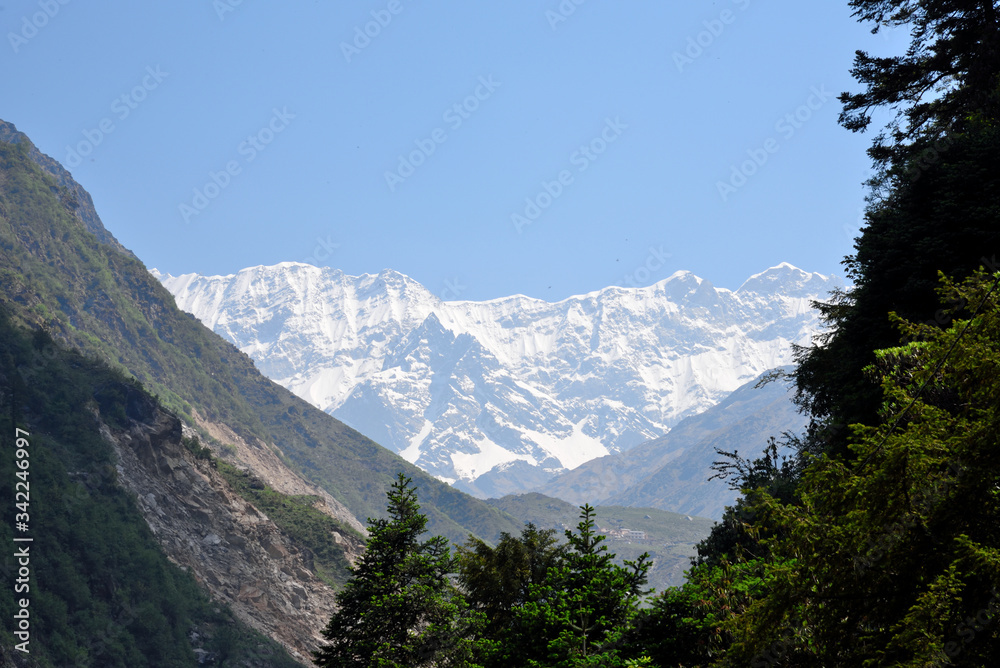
(624,534)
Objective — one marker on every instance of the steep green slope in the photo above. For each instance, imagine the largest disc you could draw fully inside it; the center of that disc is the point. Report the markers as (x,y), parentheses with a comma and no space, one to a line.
(101,592)
(55,273)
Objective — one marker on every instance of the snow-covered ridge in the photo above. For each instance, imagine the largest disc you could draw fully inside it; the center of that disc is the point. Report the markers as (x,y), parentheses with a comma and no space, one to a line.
(464,388)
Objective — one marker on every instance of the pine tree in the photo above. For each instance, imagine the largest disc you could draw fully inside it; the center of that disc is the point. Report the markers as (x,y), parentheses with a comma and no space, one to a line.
(893,558)
(496,580)
(583,612)
(946,79)
(934,203)
(399,609)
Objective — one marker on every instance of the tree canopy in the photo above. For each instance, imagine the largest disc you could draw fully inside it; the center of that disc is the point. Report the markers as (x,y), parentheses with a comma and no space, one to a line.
(894,558)
(399,609)
(934,202)
(946,79)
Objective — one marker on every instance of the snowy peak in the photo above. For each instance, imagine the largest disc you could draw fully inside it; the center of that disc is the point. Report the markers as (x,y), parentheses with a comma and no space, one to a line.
(473,389)
(784,278)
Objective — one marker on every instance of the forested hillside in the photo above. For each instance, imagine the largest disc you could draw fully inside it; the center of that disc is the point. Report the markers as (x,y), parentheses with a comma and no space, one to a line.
(100,590)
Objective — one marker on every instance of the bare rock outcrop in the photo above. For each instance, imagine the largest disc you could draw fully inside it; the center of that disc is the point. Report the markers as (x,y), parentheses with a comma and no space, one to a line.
(235,551)
(266,465)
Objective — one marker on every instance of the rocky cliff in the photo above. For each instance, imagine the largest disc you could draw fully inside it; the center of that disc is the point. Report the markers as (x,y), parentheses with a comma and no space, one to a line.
(232,548)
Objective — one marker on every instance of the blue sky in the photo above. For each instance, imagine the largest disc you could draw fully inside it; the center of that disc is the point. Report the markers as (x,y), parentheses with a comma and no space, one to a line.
(484,148)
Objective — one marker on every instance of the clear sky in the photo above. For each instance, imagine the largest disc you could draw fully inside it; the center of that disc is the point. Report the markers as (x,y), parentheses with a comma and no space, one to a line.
(483,148)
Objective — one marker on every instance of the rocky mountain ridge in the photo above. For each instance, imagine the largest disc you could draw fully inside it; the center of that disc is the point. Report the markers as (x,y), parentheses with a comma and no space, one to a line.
(77,290)
(499,396)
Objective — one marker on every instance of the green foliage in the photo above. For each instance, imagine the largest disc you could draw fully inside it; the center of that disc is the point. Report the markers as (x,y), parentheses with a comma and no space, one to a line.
(399,609)
(527,601)
(307,526)
(497,580)
(671,538)
(102,592)
(945,221)
(934,207)
(194,446)
(877,543)
(661,525)
(581,613)
(893,558)
(736,536)
(947,79)
(680,628)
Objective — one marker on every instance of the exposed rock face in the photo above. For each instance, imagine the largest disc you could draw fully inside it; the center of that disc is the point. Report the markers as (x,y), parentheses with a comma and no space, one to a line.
(239,555)
(267,466)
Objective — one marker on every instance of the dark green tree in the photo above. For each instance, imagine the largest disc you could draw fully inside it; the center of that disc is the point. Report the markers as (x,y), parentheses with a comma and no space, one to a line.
(893,557)
(496,580)
(400,609)
(872,552)
(946,79)
(582,613)
(934,203)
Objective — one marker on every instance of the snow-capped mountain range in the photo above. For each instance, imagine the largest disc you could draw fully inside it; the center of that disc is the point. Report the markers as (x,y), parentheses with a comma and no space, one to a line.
(513,388)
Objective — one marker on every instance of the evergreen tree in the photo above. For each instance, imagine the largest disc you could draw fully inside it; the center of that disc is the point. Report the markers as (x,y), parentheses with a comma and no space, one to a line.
(399,609)
(893,558)
(945,81)
(934,203)
(873,548)
(497,580)
(686,625)
(582,614)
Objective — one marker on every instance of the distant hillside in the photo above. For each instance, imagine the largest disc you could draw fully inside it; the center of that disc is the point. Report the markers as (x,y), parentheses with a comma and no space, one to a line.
(56,273)
(672,472)
(670,541)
